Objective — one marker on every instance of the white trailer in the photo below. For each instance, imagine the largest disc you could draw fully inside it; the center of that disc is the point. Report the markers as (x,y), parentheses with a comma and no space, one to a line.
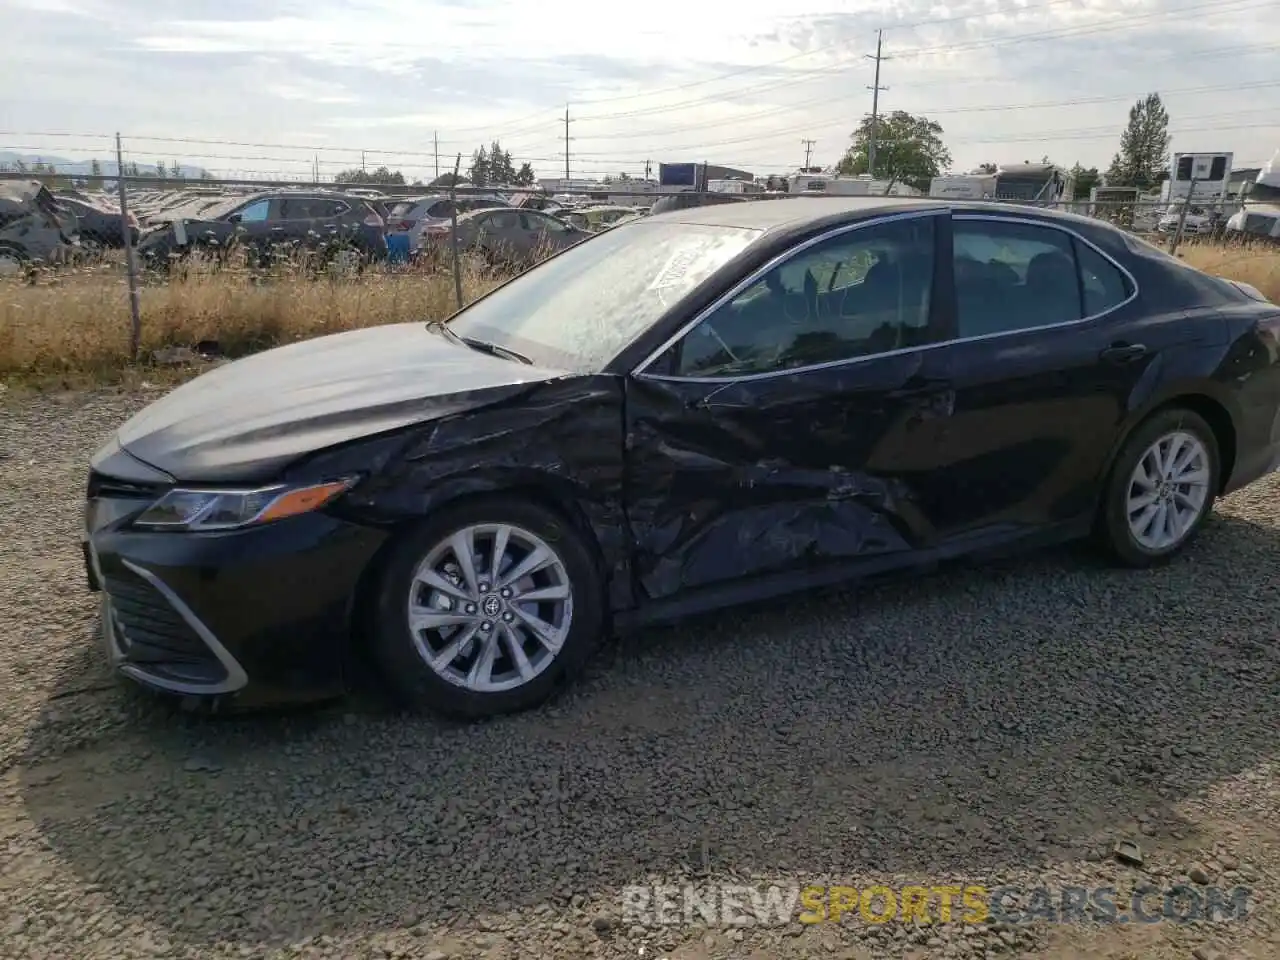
(964,186)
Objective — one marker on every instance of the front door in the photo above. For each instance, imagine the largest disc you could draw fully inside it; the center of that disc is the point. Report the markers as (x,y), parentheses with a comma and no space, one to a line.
(787,430)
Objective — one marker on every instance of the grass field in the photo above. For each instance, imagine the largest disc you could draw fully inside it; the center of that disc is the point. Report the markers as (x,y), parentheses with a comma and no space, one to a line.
(74,328)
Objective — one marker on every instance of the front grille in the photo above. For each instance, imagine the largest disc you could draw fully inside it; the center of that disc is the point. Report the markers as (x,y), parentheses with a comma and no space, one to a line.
(148,629)
(104,486)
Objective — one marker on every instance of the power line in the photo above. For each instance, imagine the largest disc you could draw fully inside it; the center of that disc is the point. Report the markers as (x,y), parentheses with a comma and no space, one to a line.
(1035,37)
(991,108)
(830,46)
(1233,51)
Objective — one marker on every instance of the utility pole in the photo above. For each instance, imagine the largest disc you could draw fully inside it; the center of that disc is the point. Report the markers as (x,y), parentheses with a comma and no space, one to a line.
(875,89)
(435,142)
(567,138)
(808,149)
(362,166)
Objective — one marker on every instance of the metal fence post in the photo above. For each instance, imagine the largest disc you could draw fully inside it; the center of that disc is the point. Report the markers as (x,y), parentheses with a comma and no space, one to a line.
(453,231)
(131,259)
(1182,218)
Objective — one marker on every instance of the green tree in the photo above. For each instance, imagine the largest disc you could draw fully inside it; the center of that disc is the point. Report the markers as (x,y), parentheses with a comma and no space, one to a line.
(501,170)
(382,175)
(1085,180)
(909,150)
(478,172)
(525,176)
(1144,146)
(447,180)
(95,168)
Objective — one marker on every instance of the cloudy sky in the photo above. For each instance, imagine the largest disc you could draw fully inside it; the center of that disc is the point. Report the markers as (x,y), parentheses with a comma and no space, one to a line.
(248,87)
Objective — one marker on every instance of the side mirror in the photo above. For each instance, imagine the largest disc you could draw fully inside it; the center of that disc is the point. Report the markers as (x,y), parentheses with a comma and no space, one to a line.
(234,218)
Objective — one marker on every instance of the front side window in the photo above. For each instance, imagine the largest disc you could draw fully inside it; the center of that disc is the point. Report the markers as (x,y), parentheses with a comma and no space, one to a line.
(854,295)
(255,212)
(1013,276)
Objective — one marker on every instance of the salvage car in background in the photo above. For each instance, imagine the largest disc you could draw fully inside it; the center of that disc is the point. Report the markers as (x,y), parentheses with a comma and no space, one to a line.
(341,230)
(100,226)
(421,217)
(508,238)
(33,229)
(595,219)
(693,410)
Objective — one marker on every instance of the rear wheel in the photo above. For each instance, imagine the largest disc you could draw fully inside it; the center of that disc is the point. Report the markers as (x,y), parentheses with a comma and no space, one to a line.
(487,609)
(1161,488)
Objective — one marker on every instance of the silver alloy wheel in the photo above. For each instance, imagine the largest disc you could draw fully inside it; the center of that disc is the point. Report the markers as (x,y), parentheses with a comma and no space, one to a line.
(1168,491)
(490,607)
(10,264)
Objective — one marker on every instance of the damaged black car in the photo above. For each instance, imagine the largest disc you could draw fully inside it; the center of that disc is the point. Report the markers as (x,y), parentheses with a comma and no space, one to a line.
(690,411)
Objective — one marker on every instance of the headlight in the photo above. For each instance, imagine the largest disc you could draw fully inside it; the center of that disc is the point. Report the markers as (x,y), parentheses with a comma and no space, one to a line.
(197,510)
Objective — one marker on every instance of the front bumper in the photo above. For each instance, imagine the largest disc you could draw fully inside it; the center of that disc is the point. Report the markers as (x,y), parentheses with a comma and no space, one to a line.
(262,614)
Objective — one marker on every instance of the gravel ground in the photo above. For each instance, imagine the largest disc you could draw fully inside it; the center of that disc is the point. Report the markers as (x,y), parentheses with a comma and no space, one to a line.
(999,725)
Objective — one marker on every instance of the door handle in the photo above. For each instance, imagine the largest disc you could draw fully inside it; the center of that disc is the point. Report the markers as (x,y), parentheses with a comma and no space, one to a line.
(1124,352)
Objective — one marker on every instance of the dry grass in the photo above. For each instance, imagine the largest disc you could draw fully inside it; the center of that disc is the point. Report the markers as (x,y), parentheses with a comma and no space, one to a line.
(1258,265)
(74,328)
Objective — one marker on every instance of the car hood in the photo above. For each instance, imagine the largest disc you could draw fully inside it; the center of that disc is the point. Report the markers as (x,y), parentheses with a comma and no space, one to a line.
(246,420)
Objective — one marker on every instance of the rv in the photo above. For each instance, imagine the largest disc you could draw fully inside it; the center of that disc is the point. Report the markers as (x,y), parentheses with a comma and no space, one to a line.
(1023,182)
(838,186)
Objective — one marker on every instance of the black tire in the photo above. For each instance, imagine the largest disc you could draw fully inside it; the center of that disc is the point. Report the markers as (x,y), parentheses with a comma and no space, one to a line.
(420,687)
(1112,531)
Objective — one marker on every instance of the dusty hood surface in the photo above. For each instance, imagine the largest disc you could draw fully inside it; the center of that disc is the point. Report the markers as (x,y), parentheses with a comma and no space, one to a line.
(243,422)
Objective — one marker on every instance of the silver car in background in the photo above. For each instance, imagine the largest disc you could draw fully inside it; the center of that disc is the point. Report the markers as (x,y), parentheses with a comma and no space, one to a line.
(511,237)
(423,216)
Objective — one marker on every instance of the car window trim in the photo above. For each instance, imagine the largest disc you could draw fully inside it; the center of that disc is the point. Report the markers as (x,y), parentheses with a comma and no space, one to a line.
(641,370)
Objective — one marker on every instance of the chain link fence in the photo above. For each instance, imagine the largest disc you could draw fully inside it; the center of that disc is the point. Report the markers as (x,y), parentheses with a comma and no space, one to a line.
(240,264)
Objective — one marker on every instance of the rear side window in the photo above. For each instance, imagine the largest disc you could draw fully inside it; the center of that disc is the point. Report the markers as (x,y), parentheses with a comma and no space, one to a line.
(441,208)
(1013,276)
(1104,286)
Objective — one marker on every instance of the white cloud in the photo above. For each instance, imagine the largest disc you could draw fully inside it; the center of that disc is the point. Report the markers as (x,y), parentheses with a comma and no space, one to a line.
(670,81)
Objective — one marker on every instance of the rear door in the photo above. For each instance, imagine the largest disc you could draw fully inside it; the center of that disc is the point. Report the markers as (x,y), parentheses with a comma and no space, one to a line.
(1049,347)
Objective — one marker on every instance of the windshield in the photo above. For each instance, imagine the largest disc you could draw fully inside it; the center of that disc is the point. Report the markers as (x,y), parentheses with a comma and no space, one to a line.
(578,310)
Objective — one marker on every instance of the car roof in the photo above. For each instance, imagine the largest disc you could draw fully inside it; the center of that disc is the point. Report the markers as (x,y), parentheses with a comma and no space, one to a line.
(796,214)
(792,212)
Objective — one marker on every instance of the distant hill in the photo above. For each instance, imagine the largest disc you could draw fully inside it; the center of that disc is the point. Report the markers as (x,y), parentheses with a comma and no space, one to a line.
(74,168)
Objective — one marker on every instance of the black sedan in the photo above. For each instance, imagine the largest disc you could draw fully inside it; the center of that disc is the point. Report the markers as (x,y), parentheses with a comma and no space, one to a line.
(696,409)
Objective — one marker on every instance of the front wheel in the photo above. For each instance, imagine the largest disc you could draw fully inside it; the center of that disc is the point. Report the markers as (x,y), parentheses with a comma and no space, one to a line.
(487,609)
(1161,488)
